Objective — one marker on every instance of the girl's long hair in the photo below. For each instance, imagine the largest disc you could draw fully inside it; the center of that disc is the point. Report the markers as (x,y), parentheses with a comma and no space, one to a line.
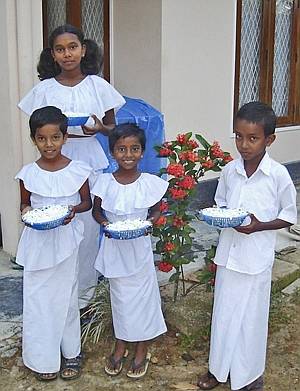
(91,63)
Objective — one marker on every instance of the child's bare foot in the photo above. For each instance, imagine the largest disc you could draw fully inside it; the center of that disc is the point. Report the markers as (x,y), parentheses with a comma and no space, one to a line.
(114,364)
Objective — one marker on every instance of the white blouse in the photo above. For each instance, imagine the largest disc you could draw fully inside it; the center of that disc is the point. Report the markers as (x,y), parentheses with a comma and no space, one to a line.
(120,258)
(93,95)
(39,250)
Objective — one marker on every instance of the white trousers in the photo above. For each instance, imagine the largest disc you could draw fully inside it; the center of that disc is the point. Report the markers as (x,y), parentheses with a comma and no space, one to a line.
(239,326)
(51,320)
(136,306)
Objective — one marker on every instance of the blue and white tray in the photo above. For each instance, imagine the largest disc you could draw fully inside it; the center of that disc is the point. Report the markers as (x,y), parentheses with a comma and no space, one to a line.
(45,225)
(126,234)
(223,217)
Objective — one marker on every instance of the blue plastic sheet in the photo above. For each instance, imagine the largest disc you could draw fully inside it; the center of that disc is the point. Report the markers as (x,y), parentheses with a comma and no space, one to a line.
(148,118)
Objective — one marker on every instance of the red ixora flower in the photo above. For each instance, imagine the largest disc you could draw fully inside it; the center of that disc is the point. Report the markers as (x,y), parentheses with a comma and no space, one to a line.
(178,194)
(161,221)
(165,267)
(208,164)
(169,246)
(216,150)
(178,222)
(175,169)
(188,183)
(227,158)
(192,144)
(188,156)
(164,206)
(165,152)
(181,139)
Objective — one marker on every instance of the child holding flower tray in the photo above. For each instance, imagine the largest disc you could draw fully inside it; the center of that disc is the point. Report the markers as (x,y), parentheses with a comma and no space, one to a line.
(245,254)
(128,194)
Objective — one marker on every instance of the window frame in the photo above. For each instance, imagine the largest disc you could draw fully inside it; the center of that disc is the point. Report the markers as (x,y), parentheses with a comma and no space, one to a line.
(73,16)
(266,60)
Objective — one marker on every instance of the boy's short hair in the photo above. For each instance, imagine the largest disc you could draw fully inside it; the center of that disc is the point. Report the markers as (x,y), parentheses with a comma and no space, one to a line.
(45,116)
(258,113)
(126,130)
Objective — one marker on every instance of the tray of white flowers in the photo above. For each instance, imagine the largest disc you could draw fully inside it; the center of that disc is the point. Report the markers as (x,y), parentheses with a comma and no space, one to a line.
(128,229)
(223,217)
(46,217)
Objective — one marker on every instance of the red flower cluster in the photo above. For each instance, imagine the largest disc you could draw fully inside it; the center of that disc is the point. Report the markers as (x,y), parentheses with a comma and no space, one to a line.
(227,158)
(178,222)
(165,267)
(216,151)
(165,152)
(188,183)
(164,206)
(188,156)
(169,246)
(175,169)
(208,164)
(192,144)
(182,139)
(178,194)
(161,221)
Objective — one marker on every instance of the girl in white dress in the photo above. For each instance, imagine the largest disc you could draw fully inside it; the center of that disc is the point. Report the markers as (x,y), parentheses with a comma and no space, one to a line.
(68,71)
(129,194)
(51,318)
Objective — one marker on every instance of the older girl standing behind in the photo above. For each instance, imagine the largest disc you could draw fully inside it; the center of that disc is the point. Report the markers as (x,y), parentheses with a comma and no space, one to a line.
(128,194)
(68,70)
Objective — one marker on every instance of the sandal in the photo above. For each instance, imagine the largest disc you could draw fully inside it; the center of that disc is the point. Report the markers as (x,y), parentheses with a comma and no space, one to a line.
(113,367)
(46,376)
(142,365)
(71,368)
(207,382)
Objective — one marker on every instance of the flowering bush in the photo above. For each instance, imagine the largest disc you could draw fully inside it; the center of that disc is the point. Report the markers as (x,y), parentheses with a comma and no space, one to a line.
(188,161)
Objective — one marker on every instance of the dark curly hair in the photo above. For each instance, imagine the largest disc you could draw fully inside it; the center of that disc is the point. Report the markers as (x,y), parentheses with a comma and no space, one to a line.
(91,63)
(47,115)
(126,130)
(258,113)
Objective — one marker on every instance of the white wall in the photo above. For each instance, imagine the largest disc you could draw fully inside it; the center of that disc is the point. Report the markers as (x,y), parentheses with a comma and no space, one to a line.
(136,49)
(20,30)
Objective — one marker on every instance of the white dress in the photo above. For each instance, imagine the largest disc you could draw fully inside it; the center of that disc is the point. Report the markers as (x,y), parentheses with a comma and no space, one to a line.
(93,95)
(51,321)
(129,265)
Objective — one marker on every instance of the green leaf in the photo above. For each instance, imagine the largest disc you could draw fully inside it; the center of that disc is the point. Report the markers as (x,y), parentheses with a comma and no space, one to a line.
(202,141)
(174,277)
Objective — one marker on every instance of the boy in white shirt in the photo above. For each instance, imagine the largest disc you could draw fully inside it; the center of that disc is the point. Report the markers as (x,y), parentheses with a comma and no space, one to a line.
(245,255)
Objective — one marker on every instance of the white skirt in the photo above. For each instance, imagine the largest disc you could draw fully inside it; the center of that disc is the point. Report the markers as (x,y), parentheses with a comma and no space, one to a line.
(239,326)
(89,150)
(136,306)
(51,320)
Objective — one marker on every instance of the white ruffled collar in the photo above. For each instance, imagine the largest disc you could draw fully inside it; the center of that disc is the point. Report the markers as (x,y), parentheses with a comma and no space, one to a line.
(121,199)
(64,182)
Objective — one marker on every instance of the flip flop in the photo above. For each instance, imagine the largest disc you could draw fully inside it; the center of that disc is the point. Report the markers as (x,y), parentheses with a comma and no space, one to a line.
(46,376)
(144,364)
(117,365)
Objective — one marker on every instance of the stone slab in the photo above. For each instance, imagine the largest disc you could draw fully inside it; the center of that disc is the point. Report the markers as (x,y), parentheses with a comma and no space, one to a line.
(282,269)
(292,288)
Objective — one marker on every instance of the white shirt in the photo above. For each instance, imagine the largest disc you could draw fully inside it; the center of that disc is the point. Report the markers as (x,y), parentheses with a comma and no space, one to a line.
(269,194)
